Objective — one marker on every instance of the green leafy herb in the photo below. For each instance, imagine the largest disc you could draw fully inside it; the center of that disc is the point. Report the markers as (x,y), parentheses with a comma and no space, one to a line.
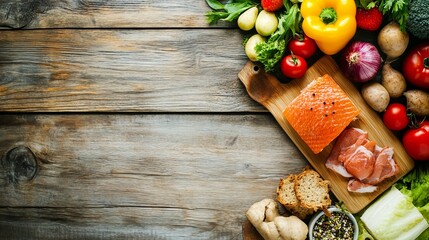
(229,11)
(366,4)
(269,53)
(415,185)
(395,10)
(393,216)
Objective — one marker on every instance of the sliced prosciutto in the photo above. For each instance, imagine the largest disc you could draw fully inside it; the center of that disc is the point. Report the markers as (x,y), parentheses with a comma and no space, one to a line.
(355,185)
(356,157)
(346,139)
(384,167)
(360,163)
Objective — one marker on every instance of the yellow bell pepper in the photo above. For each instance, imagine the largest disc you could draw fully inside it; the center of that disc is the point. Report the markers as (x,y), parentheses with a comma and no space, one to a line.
(331,23)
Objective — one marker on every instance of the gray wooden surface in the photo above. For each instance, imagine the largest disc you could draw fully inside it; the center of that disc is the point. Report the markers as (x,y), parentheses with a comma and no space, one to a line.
(126,120)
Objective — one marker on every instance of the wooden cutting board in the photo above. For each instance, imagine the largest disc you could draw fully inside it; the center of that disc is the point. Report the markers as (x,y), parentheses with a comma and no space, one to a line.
(275,96)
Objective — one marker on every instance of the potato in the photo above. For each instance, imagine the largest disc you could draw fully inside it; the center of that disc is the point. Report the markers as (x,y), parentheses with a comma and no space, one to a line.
(249,48)
(266,23)
(376,96)
(247,20)
(393,81)
(392,41)
(417,102)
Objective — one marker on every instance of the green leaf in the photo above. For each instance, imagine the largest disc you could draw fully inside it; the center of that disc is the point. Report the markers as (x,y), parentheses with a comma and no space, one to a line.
(269,53)
(371,5)
(215,4)
(396,10)
(214,17)
(393,216)
(228,12)
(415,185)
(235,9)
(424,235)
(367,4)
(386,6)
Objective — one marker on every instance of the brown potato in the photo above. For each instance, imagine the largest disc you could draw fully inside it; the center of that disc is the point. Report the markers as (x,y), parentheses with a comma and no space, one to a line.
(393,81)
(376,96)
(417,102)
(392,41)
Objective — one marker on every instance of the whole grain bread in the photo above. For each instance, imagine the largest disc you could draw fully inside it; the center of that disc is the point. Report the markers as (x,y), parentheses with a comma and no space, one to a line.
(286,191)
(311,190)
(287,197)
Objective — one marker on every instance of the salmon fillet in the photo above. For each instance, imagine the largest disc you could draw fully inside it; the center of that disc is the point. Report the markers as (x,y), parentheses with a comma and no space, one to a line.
(320,112)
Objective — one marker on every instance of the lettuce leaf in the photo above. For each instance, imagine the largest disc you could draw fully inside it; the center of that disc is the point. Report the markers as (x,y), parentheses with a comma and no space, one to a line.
(425,212)
(415,185)
(393,216)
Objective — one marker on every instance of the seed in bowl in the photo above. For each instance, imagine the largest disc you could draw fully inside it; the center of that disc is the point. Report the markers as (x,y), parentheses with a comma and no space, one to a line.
(339,226)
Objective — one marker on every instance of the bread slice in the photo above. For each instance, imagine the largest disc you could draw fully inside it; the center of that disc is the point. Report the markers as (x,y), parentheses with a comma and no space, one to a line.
(312,191)
(286,191)
(286,196)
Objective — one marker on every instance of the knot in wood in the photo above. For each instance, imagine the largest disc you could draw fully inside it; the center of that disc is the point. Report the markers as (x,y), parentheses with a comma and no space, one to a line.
(19,165)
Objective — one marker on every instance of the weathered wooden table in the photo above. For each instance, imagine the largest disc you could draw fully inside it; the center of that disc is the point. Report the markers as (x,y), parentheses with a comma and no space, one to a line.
(126,119)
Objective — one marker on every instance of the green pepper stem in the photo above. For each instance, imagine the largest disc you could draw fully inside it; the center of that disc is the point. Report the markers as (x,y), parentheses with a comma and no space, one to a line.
(328,15)
(426,62)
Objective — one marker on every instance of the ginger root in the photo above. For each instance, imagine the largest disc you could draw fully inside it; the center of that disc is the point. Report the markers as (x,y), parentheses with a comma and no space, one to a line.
(265,217)
(291,228)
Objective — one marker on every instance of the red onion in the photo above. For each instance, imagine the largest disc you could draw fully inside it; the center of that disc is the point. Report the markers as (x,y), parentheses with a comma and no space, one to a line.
(360,61)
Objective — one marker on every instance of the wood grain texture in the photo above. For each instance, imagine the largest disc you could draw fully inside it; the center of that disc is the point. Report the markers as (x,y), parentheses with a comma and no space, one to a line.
(131,175)
(123,71)
(266,89)
(250,232)
(30,14)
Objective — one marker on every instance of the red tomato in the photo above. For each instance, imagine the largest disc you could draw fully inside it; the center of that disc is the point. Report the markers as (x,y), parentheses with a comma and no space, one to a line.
(416,66)
(395,117)
(416,142)
(302,46)
(293,66)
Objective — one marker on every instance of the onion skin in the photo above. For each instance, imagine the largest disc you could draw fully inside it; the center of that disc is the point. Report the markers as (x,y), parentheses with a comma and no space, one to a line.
(360,61)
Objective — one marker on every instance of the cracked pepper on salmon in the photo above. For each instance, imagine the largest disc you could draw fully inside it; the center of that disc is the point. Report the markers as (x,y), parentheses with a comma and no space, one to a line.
(320,113)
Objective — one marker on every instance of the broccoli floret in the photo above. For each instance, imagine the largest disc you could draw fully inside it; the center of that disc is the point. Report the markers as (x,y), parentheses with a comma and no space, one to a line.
(418,19)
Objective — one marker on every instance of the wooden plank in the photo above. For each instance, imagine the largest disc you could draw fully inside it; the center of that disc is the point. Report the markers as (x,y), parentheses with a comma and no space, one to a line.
(30,14)
(123,71)
(250,232)
(137,222)
(184,174)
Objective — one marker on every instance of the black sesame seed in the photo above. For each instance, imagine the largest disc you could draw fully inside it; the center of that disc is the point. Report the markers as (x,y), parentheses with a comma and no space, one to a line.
(337,227)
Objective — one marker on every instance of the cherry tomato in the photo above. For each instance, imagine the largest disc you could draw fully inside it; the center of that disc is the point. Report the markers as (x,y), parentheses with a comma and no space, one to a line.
(416,66)
(293,66)
(395,117)
(302,46)
(416,142)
